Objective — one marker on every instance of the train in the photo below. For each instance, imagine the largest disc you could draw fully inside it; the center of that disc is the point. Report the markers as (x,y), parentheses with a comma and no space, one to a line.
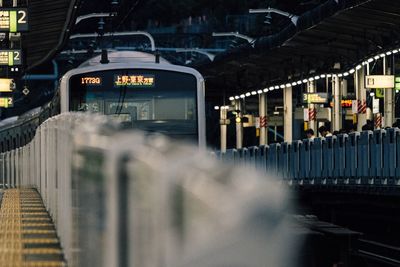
(139,90)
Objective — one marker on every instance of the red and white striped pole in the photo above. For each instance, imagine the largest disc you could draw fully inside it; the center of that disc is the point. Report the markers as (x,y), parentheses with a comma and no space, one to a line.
(378,121)
(263,119)
(312,121)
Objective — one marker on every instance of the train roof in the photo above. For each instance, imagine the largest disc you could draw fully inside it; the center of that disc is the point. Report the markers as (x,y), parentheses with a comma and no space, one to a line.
(125,57)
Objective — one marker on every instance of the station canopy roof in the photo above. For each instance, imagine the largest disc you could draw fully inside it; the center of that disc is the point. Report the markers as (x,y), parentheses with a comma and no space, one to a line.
(50,22)
(337,31)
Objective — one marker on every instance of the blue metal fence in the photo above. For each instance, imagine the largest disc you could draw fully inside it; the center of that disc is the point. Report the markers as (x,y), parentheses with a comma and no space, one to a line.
(366,158)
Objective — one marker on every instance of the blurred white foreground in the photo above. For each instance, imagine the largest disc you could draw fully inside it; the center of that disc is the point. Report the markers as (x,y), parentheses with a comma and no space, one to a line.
(126,199)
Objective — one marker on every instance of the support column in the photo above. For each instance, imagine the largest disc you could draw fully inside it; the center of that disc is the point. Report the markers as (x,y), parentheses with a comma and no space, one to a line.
(288,113)
(312,124)
(337,116)
(361,96)
(388,98)
(224,123)
(239,124)
(263,119)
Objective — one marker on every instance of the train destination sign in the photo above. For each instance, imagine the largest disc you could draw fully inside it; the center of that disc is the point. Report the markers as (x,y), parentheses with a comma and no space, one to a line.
(10,58)
(91,81)
(13,19)
(6,102)
(134,80)
(316,98)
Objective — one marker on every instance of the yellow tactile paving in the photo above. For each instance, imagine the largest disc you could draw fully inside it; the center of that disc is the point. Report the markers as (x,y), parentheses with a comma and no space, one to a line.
(24,225)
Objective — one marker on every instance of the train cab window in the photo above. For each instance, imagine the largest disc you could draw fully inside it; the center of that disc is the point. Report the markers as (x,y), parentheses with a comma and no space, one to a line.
(151,100)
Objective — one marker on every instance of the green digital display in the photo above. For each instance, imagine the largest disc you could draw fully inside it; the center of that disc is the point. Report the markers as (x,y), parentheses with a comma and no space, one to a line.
(6,102)
(13,20)
(10,58)
(316,98)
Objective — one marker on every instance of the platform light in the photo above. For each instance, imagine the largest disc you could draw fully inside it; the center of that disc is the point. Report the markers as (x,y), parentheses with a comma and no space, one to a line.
(248,94)
(372,94)
(237,97)
(225,107)
(328,75)
(299,82)
(388,53)
(253,93)
(294,83)
(259,92)
(340,75)
(364,63)
(311,79)
(305,81)
(231,98)
(317,77)
(382,55)
(242,96)
(271,88)
(376,57)
(395,51)
(266,90)
(346,74)
(216,107)
(276,87)
(359,67)
(352,71)
(323,76)
(371,60)
(282,86)
(288,85)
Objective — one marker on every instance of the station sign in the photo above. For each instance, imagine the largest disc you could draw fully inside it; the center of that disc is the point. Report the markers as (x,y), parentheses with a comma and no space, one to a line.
(13,19)
(316,98)
(375,106)
(6,102)
(10,57)
(380,82)
(6,85)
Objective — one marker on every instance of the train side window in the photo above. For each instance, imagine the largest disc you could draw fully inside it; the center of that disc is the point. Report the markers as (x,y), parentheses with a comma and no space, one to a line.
(14,143)
(2,146)
(8,145)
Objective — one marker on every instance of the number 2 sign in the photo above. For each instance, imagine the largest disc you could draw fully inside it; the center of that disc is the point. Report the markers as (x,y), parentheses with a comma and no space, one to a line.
(13,19)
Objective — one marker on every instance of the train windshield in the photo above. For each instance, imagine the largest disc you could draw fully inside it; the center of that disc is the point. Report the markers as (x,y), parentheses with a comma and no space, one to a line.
(150,100)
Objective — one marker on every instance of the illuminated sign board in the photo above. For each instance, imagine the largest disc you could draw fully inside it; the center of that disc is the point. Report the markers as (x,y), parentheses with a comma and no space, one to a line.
(91,81)
(379,82)
(10,57)
(13,20)
(6,85)
(6,102)
(316,98)
(134,80)
(345,103)
(397,85)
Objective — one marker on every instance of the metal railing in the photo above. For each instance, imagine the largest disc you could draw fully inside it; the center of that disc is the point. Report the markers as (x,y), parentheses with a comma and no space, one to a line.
(128,199)
(366,158)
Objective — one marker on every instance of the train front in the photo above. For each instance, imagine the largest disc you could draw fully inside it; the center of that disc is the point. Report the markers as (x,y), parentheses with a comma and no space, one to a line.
(140,94)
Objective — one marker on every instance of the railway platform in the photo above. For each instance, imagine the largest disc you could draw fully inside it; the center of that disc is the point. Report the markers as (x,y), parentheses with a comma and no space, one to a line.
(27,234)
